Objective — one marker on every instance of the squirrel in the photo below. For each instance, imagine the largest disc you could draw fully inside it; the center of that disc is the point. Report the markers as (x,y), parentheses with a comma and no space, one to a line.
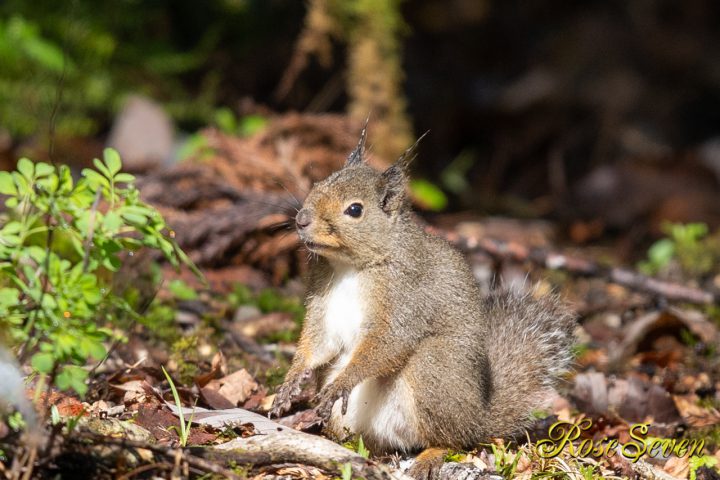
(407,351)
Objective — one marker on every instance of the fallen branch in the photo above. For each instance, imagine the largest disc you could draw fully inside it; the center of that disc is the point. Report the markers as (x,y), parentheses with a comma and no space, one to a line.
(192,456)
(301,448)
(631,279)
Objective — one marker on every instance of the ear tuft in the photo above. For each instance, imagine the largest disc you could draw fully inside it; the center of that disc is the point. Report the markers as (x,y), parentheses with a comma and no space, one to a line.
(395,179)
(357,156)
(410,154)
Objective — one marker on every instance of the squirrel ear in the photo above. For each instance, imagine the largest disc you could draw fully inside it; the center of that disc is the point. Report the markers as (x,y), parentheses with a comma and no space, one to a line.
(396,179)
(358,155)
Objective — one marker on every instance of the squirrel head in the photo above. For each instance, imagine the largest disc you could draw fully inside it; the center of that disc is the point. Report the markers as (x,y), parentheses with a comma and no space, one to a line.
(350,216)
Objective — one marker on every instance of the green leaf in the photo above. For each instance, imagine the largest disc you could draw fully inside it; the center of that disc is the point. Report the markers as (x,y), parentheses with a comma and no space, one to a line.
(346,471)
(124,178)
(65,343)
(102,168)
(661,252)
(361,449)
(181,290)
(55,417)
(72,376)
(135,218)
(45,53)
(112,160)
(26,168)
(7,185)
(43,169)
(226,120)
(91,292)
(94,178)
(112,222)
(93,348)
(112,263)
(43,362)
(9,296)
(428,195)
(11,228)
(252,124)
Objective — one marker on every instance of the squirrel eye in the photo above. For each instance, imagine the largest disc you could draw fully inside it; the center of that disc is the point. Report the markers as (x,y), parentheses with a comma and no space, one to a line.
(354,210)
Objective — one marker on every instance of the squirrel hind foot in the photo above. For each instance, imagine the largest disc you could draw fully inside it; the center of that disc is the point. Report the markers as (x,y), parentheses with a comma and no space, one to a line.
(428,463)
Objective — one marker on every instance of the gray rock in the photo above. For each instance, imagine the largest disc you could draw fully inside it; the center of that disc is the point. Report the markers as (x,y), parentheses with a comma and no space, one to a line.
(245,313)
(143,135)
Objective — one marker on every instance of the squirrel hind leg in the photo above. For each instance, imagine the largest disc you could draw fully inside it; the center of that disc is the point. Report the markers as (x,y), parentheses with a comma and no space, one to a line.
(428,463)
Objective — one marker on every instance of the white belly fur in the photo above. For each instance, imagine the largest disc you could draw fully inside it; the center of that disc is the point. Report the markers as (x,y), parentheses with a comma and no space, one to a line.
(378,409)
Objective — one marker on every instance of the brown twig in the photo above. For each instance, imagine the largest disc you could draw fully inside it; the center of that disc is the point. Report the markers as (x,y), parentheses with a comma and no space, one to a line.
(625,277)
(170,453)
(145,468)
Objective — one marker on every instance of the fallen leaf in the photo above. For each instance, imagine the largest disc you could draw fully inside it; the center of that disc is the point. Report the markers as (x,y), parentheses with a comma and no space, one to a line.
(677,466)
(303,420)
(633,399)
(135,391)
(214,399)
(256,400)
(267,403)
(235,387)
(218,368)
(642,330)
(694,414)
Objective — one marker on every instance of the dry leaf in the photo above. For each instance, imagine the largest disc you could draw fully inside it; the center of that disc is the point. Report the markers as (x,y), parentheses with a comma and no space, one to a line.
(677,466)
(694,414)
(235,387)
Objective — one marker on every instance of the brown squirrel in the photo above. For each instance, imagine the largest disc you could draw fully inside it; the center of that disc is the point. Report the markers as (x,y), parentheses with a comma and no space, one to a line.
(399,334)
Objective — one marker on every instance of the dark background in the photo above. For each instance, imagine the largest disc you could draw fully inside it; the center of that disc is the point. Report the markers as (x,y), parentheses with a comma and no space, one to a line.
(582,111)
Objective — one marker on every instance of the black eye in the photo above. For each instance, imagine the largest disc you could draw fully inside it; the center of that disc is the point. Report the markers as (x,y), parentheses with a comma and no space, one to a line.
(354,210)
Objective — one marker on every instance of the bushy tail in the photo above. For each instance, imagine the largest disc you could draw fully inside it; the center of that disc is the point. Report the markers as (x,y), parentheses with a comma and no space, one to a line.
(529,350)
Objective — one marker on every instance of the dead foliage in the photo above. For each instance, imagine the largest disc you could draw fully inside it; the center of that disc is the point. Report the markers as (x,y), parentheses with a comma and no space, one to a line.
(231,204)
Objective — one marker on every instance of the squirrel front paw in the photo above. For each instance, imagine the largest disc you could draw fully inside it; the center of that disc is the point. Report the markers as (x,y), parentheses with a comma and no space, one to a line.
(327,398)
(290,389)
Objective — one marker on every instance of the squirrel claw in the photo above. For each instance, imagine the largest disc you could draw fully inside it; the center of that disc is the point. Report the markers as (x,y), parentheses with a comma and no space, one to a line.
(278,409)
(327,398)
(287,391)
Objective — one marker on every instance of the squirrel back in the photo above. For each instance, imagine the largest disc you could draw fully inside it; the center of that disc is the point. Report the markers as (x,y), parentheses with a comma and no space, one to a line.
(409,352)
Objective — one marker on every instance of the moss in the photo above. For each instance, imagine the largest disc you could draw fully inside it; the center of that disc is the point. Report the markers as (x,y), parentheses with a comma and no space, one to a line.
(186,355)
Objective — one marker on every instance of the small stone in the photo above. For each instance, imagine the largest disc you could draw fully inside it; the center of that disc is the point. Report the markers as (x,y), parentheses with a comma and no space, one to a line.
(143,135)
(245,313)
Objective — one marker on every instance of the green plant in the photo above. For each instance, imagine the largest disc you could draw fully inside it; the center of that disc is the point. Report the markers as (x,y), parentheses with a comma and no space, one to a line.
(428,195)
(698,462)
(690,245)
(346,471)
(182,291)
(16,421)
(184,431)
(361,449)
(505,461)
(454,456)
(357,445)
(61,243)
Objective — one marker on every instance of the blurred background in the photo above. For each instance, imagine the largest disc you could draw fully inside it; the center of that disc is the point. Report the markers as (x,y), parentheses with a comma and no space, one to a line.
(600,117)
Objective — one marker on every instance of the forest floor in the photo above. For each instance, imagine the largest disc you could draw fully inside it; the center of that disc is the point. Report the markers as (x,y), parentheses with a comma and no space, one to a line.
(642,402)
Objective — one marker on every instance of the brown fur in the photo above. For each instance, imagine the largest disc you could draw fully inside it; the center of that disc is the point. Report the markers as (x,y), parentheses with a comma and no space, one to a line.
(476,366)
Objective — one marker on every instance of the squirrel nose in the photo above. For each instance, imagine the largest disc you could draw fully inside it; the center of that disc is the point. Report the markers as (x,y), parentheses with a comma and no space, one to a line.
(303,218)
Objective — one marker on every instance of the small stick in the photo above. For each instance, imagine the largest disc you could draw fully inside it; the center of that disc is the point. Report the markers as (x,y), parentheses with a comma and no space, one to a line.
(581,267)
